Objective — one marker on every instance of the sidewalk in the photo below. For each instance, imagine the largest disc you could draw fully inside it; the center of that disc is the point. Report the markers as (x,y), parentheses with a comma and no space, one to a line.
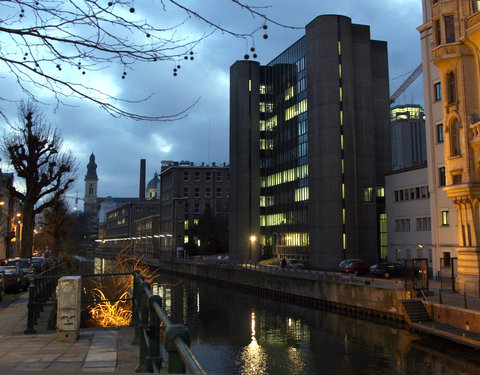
(96,350)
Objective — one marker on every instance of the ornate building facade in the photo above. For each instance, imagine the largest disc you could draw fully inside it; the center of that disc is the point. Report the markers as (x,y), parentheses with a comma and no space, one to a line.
(451,60)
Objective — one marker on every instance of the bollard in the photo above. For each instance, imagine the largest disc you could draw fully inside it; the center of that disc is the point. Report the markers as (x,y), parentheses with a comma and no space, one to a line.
(175,363)
(31,308)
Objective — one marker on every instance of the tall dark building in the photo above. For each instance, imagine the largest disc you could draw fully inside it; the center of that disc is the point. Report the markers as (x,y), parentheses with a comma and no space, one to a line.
(309,148)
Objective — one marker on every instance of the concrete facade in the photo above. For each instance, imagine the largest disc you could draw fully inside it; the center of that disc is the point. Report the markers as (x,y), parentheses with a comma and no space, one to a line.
(314,190)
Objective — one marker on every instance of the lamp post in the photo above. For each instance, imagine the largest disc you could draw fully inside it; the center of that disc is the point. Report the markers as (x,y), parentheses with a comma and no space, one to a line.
(252,241)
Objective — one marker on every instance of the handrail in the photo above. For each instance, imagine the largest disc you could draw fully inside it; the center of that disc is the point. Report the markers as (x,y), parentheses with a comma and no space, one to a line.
(152,327)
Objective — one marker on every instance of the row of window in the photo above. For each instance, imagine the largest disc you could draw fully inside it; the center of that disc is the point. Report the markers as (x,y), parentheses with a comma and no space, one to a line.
(207,177)
(421,223)
(207,192)
(410,194)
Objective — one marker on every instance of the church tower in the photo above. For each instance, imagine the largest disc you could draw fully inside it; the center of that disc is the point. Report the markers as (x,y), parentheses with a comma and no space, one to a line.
(91,182)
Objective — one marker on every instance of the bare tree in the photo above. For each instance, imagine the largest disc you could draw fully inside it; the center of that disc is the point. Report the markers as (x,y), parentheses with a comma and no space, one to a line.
(34,150)
(42,43)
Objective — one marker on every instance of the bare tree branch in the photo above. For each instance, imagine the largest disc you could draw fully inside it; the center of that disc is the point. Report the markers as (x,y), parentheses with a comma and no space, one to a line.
(43,42)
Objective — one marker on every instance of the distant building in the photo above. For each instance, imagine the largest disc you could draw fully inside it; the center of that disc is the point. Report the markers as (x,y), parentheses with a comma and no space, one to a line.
(406,187)
(408,136)
(186,192)
(309,148)
(120,231)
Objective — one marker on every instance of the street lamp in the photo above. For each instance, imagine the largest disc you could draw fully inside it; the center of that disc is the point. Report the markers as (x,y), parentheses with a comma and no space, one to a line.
(252,241)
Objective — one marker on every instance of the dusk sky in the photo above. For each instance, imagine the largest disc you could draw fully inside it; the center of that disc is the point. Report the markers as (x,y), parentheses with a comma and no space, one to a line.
(203,136)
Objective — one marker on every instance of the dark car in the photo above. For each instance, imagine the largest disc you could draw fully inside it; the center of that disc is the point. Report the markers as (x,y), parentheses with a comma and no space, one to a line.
(14,279)
(23,263)
(387,269)
(343,264)
(357,267)
(39,264)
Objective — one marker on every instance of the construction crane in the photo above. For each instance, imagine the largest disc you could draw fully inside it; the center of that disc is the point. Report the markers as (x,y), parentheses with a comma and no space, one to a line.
(406,84)
(76,198)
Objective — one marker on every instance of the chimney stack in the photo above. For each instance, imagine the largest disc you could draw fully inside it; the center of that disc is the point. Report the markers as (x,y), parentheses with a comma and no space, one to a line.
(141,195)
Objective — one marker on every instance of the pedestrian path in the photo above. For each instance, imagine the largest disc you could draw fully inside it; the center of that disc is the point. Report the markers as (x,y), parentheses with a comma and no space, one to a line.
(96,350)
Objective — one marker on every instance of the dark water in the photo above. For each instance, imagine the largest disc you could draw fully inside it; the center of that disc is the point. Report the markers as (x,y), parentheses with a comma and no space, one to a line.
(237,333)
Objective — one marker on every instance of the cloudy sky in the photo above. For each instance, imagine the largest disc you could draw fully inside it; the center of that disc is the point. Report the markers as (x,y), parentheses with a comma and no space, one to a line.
(202,136)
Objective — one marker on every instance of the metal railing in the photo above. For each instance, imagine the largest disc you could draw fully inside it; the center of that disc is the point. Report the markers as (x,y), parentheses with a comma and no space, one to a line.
(330,276)
(159,339)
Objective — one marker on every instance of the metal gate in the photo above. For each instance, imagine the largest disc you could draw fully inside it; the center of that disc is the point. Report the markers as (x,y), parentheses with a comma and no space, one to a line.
(416,274)
(448,273)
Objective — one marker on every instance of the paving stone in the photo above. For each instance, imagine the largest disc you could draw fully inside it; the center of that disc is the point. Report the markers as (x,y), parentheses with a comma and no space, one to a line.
(34,365)
(99,364)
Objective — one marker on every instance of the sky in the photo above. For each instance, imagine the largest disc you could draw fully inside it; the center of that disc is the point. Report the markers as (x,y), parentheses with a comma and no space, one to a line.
(203,135)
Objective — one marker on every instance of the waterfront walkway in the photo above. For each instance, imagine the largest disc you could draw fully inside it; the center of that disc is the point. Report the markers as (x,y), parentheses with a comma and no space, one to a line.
(96,350)
(110,350)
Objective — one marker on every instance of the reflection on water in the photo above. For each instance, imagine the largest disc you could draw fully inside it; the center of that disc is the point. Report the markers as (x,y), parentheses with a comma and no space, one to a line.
(236,333)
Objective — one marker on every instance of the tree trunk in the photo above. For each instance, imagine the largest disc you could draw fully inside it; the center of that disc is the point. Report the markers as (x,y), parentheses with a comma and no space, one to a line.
(28,220)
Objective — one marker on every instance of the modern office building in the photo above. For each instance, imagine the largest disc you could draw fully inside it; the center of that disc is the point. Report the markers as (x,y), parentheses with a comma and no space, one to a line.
(450,37)
(408,136)
(187,191)
(309,148)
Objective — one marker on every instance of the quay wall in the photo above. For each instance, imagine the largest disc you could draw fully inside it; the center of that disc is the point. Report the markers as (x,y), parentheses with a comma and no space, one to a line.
(468,320)
(367,300)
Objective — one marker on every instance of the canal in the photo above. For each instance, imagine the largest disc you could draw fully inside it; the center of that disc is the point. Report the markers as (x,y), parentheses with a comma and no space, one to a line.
(237,333)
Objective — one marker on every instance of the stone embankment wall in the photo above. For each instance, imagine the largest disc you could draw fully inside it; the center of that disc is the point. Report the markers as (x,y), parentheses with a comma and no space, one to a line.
(372,301)
(468,320)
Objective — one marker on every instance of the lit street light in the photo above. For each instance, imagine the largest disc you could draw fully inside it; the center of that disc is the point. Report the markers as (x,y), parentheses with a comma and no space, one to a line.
(252,241)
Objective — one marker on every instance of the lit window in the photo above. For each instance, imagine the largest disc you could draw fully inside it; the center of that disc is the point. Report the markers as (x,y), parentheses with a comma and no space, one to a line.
(380,191)
(368,194)
(445,218)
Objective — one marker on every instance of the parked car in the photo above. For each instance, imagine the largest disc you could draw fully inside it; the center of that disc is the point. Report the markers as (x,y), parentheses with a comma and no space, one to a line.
(14,279)
(357,267)
(294,263)
(343,264)
(387,269)
(39,264)
(23,263)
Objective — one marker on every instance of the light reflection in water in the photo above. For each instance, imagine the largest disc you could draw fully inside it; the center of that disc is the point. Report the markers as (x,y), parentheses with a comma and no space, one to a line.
(252,359)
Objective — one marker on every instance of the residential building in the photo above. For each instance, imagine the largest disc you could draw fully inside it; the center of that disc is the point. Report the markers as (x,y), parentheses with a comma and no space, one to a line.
(186,192)
(9,222)
(309,148)
(450,37)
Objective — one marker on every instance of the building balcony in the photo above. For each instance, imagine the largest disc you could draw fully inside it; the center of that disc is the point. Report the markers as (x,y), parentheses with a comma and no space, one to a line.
(445,53)
(474,131)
